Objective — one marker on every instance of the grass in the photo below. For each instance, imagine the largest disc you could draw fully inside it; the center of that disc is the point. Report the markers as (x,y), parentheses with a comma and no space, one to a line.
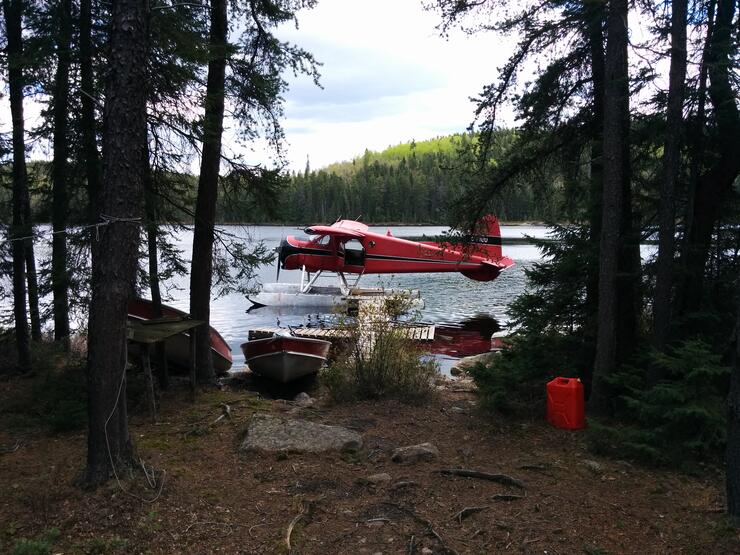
(41,545)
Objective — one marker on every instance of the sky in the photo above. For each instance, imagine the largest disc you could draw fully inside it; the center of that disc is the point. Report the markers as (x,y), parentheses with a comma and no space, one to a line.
(388,77)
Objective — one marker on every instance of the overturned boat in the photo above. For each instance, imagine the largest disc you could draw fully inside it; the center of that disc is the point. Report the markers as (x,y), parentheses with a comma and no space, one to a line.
(177,347)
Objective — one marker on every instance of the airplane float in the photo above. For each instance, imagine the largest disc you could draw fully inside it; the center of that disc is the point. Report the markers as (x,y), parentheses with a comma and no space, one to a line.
(349,247)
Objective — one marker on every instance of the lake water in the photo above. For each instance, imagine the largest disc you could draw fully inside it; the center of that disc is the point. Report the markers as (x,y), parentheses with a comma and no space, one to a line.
(448,297)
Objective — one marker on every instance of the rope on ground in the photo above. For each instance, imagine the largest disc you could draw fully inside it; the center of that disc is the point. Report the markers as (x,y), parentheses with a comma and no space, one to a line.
(149,477)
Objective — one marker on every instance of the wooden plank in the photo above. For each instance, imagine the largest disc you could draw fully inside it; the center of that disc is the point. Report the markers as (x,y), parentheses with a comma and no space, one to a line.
(413,332)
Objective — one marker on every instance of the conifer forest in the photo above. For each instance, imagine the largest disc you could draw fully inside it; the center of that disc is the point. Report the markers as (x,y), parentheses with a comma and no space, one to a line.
(128,125)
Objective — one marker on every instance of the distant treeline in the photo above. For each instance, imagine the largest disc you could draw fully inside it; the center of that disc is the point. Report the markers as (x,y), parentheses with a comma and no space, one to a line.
(414,182)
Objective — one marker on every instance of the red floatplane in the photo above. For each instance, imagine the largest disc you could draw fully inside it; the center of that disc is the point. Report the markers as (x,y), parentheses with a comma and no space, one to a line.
(348,246)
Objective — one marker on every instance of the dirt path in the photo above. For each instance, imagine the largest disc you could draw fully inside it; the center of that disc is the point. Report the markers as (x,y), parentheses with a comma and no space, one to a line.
(218,500)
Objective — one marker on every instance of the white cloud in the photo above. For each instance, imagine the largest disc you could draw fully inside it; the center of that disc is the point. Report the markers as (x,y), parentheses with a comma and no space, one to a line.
(388,77)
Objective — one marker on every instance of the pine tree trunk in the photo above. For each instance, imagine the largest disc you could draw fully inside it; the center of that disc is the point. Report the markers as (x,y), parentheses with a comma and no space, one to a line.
(87,102)
(616,174)
(671,166)
(697,142)
(115,259)
(32,279)
(16,82)
(12,10)
(715,184)
(60,202)
(732,471)
(152,232)
(595,18)
(205,208)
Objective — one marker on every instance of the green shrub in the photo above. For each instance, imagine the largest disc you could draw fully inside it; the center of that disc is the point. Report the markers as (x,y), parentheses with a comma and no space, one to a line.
(678,421)
(39,546)
(56,399)
(380,362)
(555,334)
(514,382)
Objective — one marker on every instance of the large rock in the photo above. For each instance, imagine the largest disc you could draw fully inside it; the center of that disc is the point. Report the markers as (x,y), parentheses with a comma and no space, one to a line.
(415,453)
(462,366)
(275,433)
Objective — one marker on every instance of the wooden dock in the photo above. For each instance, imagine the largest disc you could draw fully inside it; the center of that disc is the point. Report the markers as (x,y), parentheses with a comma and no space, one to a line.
(415,332)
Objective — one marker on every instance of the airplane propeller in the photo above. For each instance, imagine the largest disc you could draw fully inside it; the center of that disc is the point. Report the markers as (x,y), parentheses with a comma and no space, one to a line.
(282,252)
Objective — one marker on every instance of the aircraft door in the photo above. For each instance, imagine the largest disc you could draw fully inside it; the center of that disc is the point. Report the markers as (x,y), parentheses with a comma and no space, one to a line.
(354,253)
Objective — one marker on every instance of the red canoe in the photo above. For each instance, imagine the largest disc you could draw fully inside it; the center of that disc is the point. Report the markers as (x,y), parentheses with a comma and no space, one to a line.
(285,358)
(178,346)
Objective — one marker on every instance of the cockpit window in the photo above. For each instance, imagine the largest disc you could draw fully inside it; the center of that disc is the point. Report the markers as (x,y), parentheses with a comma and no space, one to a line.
(354,253)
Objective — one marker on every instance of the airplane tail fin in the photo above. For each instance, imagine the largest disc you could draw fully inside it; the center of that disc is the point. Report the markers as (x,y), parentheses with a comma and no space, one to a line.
(487,237)
(486,242)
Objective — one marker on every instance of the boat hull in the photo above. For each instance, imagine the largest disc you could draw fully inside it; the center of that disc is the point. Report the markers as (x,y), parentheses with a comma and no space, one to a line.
(177,347)
(284,358)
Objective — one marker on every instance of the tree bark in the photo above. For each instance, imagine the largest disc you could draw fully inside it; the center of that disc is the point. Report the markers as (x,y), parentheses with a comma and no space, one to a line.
(732,471)
(671,166)
(715,183)
(60,202)
(594,24)
(697,139)
(32,276)
(205,208)
(12,10)
(115,260)
(87,102)
(616,175)
(152,232)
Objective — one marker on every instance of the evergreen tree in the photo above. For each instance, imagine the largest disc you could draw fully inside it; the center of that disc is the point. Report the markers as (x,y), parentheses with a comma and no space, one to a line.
(115,260)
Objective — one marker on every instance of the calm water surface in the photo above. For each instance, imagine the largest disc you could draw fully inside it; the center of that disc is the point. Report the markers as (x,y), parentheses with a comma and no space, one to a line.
(448,297)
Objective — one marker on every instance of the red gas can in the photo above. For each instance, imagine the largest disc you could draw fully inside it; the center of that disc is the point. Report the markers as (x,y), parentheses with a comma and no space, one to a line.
(565,403)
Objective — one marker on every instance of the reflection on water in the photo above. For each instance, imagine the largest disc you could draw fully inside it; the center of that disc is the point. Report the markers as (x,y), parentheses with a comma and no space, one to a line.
(449,298)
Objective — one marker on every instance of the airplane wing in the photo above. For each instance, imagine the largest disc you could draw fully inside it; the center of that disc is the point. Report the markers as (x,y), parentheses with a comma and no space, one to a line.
(342,233)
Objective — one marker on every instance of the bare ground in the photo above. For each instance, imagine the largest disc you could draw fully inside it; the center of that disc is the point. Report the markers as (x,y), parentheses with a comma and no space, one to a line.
(215,499)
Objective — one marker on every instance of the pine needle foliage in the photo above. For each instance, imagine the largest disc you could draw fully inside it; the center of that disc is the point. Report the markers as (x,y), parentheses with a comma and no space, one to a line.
(513,383)
(677,422)
(554,328)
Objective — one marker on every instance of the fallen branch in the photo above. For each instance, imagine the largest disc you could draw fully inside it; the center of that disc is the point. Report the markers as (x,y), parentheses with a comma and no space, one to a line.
(292,524)
(306,511)
(467,511)
(252,528)
(225,413)
(536,467)
(425,522)
(500,478)
(7,450)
